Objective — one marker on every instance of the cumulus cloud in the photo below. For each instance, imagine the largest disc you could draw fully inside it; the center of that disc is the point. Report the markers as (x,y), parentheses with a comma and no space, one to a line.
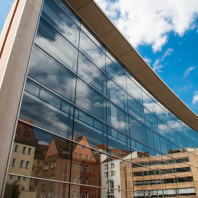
(195,97)
(150,21)
(188,71)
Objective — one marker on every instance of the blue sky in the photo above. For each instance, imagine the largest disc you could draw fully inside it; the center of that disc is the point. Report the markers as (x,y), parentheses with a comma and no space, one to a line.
(164,32)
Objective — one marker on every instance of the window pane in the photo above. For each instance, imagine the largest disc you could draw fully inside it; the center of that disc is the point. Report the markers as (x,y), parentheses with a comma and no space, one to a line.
(47,151)
(91,74)
(90,100)
(92,51)
(52,74)
(116,94)
(56,17)
(47,111)
(118,143)
(153,139)
(115,73)
(57,46)
(90,128)
(117,118)
(35,188)
(134,90)
(135,109)
(69,13)
(86,171)
(151,120)
(137,130)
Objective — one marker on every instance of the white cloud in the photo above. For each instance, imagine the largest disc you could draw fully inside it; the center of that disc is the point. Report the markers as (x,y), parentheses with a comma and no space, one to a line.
(188,70)
(150,21)
(158,64)
(195,98)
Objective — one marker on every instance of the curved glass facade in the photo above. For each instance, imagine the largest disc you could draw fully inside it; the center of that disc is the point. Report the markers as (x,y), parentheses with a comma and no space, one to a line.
(87,128)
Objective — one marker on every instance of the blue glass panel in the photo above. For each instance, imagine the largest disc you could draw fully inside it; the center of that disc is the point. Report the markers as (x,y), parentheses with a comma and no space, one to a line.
(57,18)
(90,100)
(91,74)
(134,90)
(52,74)
(115,73)
(118,143)
(92,51)
(88,127)
(46,110)
(116,94)
(160,112)
(148,102)
(151,120)
(165,145)
(153,139)
(137,130)
(117,117)
(135,109)
(56,45)
(163,129)
(66,10)
(87,32)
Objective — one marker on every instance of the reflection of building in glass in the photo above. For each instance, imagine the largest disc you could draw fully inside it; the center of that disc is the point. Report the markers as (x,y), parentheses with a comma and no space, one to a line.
(22,158)
(93,119)
(167,175)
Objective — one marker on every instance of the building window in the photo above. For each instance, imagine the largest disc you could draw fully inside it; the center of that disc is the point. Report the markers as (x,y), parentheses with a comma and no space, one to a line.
(24,149)
(21,163)
(80,180)
(13,162)
(11,176)
(80,155)
(46,166)
(19,178)
(51,193)
(80,194)
(86,180)
(73,179)
(86,168)
(74,194)
(16,135)
(106,174)
(86,194)
(24,178)
(83,147)
(52,177)
(81,168)
(16,148)
(27,165)
(112,173)
(43,194)
(112,165)
(91,158)
(111,184)
(86,157)
(29,151)
(76,154)
(53,165)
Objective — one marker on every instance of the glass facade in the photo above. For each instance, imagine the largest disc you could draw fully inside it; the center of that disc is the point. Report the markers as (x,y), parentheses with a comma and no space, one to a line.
(88,129)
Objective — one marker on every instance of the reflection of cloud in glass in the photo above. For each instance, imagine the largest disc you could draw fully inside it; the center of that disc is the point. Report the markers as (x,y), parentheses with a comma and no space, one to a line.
(92,51)
(50,73)
(52,42)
